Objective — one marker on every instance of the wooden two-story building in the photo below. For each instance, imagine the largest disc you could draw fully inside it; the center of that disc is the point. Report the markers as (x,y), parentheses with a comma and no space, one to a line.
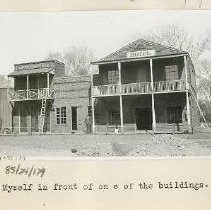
(145,86)
(45,100)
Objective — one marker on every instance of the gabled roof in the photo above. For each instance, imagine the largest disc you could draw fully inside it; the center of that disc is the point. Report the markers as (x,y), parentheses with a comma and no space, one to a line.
(140,45)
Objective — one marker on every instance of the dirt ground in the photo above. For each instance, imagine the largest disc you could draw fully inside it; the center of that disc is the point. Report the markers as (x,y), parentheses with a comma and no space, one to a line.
(124,145)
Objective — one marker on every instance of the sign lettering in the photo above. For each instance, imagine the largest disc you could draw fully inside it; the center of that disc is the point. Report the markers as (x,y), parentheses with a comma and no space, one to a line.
(141,54)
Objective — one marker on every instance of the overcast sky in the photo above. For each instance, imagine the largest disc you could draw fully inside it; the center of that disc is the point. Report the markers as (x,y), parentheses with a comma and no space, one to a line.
(26,37)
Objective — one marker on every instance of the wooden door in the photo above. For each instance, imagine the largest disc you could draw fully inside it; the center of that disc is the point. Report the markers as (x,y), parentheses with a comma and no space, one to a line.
(144,119)
(74,119)
(23,120)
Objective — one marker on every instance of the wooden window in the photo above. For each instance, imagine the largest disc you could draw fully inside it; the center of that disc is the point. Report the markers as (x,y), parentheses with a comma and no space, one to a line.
(174,114)
(113,76)
(171,72)
(114,117)
(61,116)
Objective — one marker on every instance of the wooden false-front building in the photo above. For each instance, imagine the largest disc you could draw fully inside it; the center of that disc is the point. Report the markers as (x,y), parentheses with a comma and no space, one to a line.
(145,87)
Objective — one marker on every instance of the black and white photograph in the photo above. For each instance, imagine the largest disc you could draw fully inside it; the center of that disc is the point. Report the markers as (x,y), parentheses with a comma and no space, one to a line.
(105,83)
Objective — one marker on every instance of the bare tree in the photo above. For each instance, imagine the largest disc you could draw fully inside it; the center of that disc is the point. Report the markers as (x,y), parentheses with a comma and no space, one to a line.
(54,56)
(76,58)
(206,64)
(204,84)
(204,90)
(177,37)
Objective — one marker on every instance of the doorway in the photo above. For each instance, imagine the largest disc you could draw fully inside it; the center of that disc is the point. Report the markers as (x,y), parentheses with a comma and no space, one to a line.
(74,118)
(144,119)
(34,122)
(23,121)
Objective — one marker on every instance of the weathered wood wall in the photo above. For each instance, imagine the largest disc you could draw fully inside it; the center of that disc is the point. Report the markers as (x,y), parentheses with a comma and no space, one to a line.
(5,109)
(71,92)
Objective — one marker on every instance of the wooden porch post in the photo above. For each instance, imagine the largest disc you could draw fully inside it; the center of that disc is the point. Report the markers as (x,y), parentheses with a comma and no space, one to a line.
(120,97)
(153,99)
(121,112)
(19,119)
(93,115)
(187,91)
(93,106)
(29,130)
(38,85)
(48,83)
(27,85)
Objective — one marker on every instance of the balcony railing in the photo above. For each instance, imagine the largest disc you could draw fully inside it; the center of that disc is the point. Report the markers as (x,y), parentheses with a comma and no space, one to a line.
(139,88)
(106,90)
(173,85)
(31,94)
(143,87)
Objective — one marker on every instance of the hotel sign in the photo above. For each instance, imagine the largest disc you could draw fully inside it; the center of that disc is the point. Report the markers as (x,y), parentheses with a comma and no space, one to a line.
(141,54)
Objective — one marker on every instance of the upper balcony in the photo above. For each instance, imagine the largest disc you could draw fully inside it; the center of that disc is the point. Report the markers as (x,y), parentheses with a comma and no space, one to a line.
(141,77)
(139,88)
(31,94)
(34,80)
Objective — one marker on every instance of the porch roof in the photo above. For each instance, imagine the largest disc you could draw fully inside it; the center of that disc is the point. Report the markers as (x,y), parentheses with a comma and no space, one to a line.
(30,71)
(140,45)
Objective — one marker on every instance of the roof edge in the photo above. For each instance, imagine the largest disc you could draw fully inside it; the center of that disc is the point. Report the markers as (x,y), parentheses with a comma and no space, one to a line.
(139,59)
(42,61)
(140,39)
(12,74)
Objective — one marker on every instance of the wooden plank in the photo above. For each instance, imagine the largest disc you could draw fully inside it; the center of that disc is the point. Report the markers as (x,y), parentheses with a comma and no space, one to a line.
(121,112)
(187,97)
(153,101)
(19,119)
(120,97)
(27,83)
(48,80)
(93,108)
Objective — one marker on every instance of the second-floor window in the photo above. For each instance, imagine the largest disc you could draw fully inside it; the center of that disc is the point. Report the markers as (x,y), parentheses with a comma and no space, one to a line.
(171,72)
(61,117)
(113,76)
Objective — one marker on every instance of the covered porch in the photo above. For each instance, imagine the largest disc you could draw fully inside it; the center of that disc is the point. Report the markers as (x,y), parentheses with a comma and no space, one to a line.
(26,117)
(170,113)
